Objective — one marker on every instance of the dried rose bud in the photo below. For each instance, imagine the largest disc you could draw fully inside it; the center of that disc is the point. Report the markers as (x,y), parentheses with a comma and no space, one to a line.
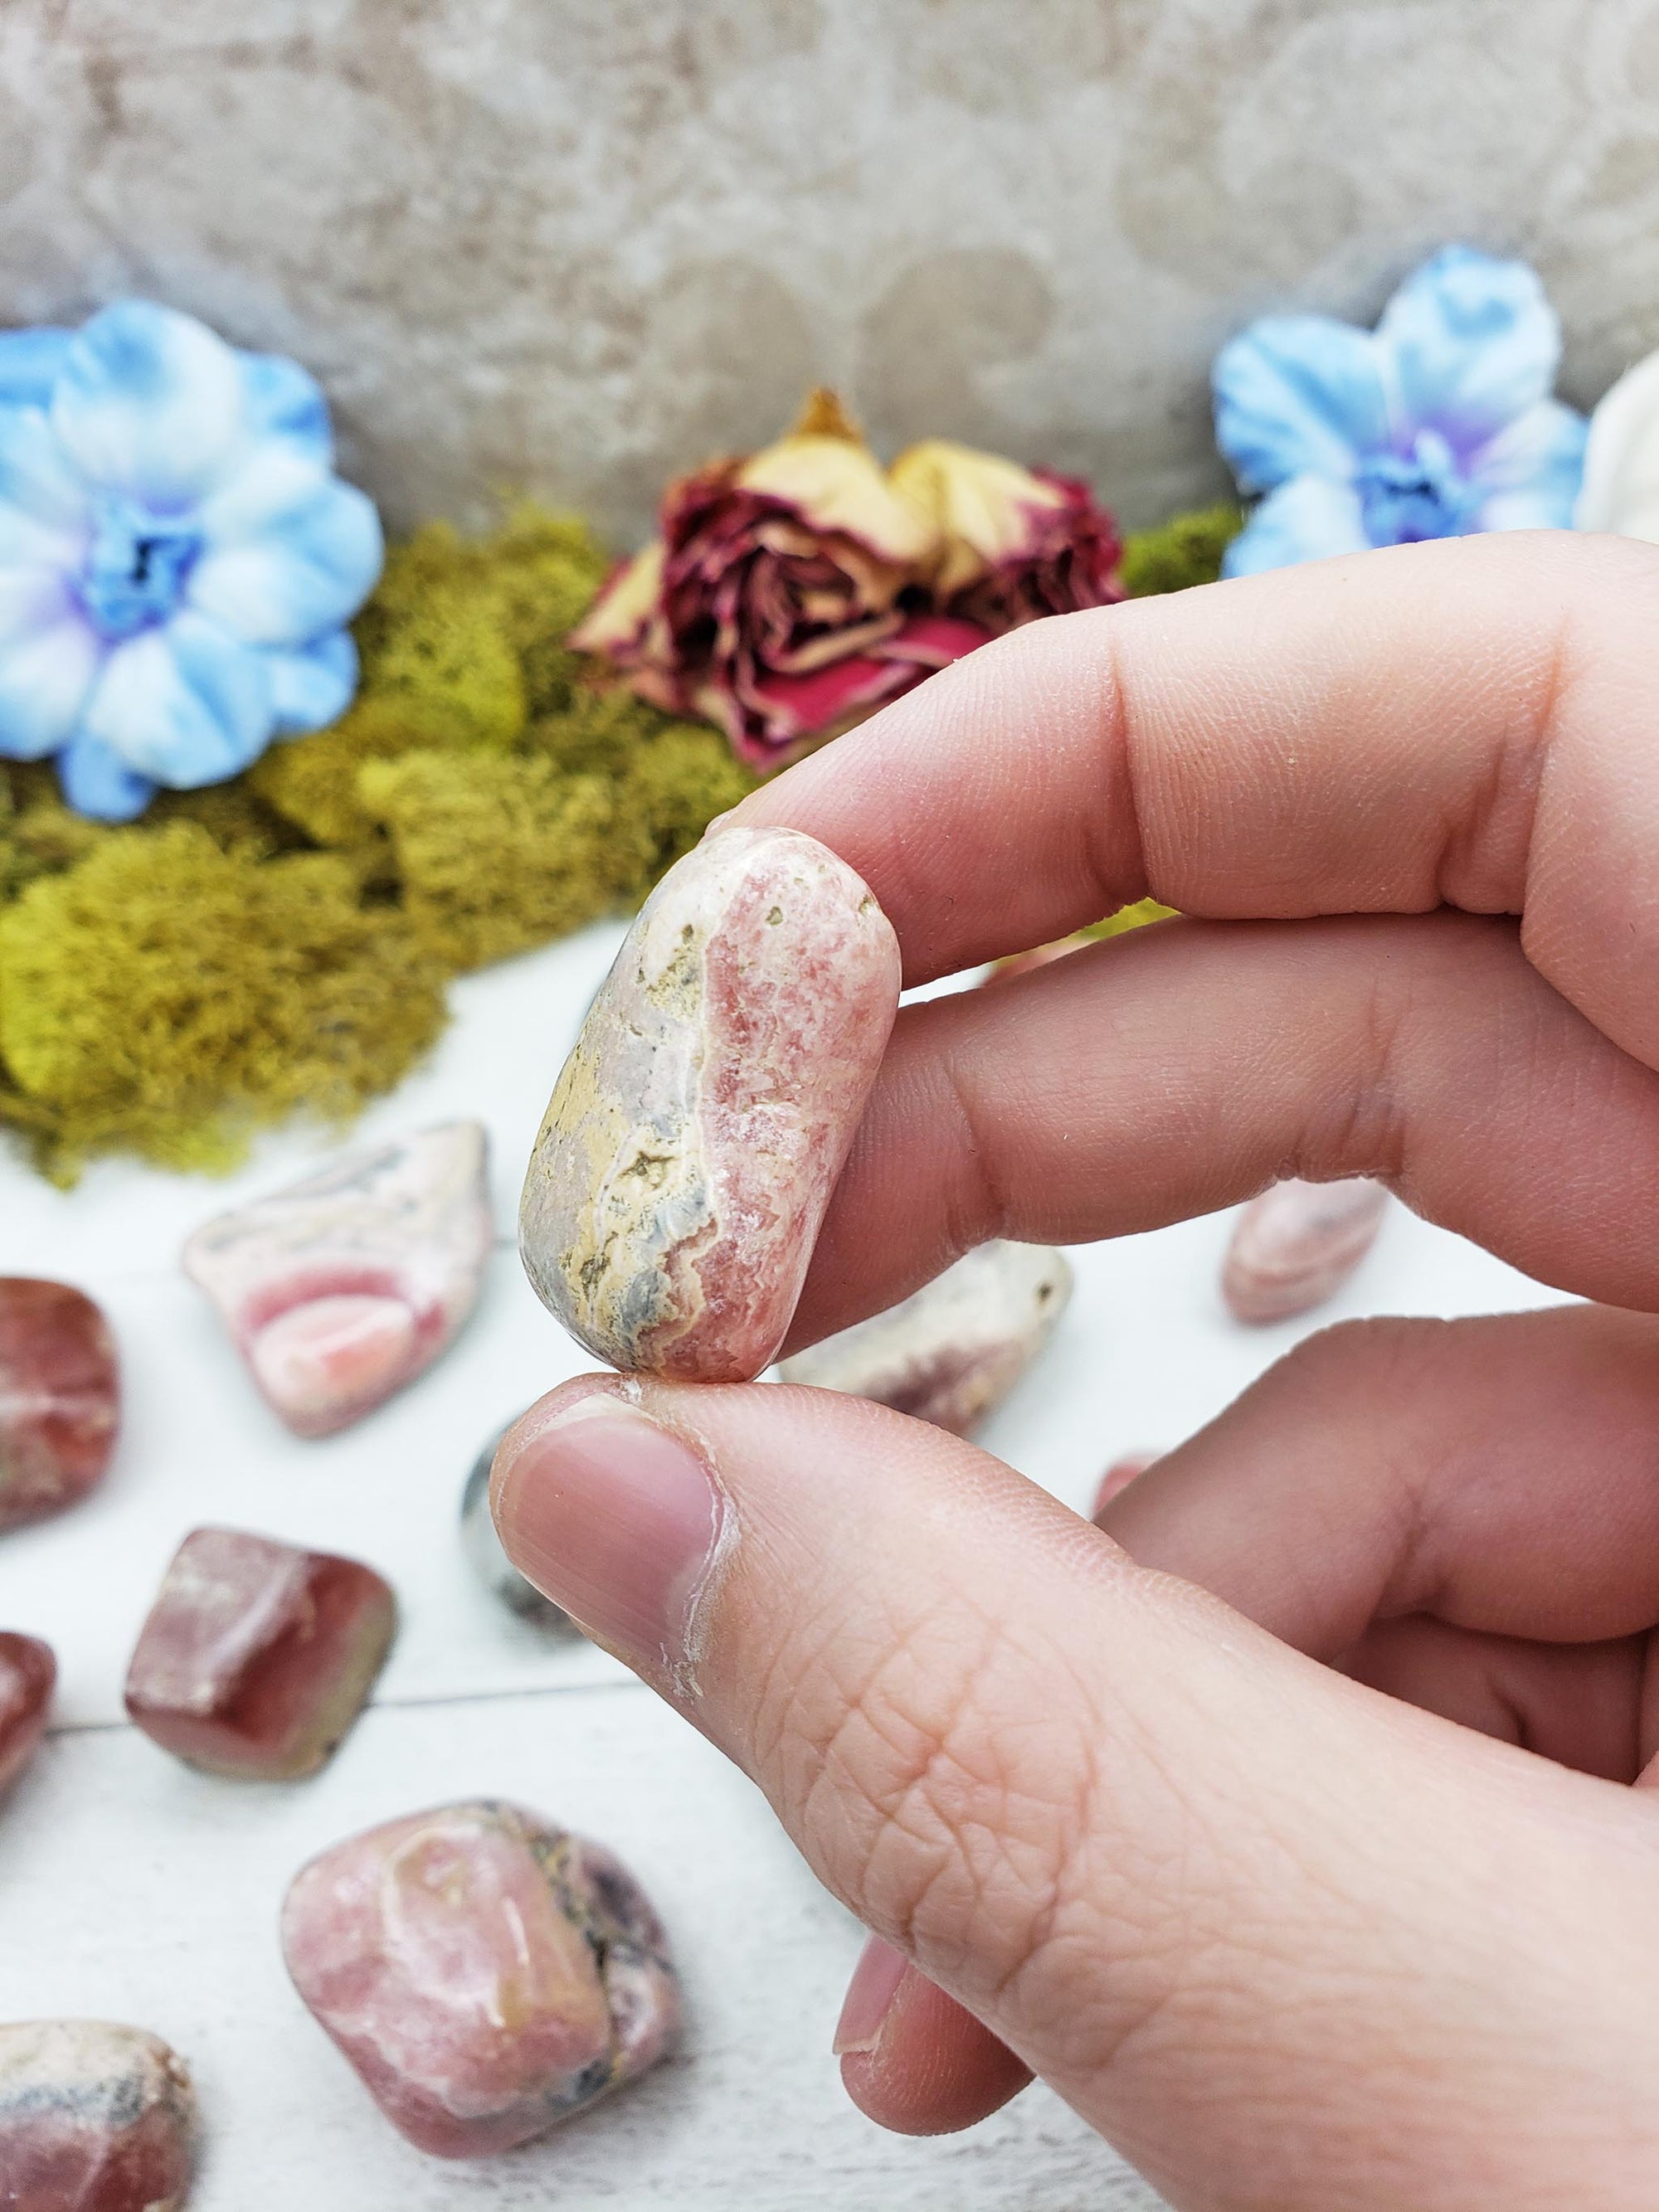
(780,600)
(1011,544)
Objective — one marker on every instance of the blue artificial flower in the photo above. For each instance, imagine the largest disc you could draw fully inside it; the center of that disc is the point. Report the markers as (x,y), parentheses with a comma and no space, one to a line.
(177,559)
(1438,424)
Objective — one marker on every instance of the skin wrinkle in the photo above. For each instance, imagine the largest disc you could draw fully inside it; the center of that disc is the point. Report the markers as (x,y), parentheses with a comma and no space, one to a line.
(925,1817)
(932,1842)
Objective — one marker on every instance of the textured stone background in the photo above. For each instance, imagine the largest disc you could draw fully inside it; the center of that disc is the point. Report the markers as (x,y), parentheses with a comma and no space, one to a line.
(577,244)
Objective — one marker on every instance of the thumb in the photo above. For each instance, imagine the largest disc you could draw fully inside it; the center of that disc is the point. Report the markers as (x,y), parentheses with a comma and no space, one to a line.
(1261,1926)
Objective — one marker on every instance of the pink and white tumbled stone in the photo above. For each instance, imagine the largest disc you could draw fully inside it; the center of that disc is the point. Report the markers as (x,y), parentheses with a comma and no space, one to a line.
(951,1352)
(94,2117)
(1296,1245)
(343,1288)
(487,1974)
(695,1136)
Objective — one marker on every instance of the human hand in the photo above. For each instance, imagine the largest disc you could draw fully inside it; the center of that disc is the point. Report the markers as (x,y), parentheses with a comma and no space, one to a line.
(1282,1826)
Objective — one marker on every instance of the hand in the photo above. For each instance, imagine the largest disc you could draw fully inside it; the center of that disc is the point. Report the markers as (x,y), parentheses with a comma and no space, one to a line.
(1283,1827)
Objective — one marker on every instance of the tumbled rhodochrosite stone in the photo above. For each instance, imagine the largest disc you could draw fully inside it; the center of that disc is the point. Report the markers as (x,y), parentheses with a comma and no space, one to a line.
(695,1136)
(1118,1477)
(485,1972)
(1296,1245)
(27,1671)
(488,1560)
(341,1289)
(952,1351)
(93,2117)
(59,1397)
(257,1657)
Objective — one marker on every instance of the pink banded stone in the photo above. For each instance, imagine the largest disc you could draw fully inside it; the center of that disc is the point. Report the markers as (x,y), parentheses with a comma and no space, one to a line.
(486,1973)
(1297,1244)
(952,1353)
(696,1134)
(257,1657)
(1118,1477)
(59,1397)
(341,1289)
(93,2117)
(28,1672)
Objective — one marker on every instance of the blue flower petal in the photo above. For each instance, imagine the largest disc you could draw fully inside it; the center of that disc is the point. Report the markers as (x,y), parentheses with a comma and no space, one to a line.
(1308,519)
(1469,343)
(1298,395)
(1527,476)
(150,404)
(36,478)
(186,705)
(98,783)
(29,362)
(312,688)
(49,658)
(291,552)
(284,402)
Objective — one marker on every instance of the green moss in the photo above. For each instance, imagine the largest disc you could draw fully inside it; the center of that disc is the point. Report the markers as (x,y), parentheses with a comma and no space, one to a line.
(673,782)
(312,783)
(1187,549)
(494,855)
(165,996)
(1129,917)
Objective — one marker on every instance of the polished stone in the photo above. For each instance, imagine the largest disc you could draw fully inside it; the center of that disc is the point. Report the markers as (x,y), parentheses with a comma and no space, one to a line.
(1296,1245)
(487,1974)
(28,1672)
(343,1288)
(93,2117)
(257,1657)
(1118,1477)
(693,1137)
(951,1353)
(490,1562)
(59,1397)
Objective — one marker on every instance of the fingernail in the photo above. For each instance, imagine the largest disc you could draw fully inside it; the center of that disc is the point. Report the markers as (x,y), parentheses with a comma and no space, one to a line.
(869,1998)
(615,1519)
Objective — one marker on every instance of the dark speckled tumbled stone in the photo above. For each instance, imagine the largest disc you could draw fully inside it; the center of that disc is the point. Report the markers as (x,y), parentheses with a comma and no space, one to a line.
(490,1562)
(93,2117)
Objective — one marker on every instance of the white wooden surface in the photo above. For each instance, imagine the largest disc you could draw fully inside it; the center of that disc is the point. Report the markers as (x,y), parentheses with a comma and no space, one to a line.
(131,1888)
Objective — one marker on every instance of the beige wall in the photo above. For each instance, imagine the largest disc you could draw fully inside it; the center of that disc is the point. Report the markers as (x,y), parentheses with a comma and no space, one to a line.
(577,244)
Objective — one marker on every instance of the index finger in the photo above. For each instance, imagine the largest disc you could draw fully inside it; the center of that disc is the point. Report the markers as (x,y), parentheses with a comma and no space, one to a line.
(1466,723)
